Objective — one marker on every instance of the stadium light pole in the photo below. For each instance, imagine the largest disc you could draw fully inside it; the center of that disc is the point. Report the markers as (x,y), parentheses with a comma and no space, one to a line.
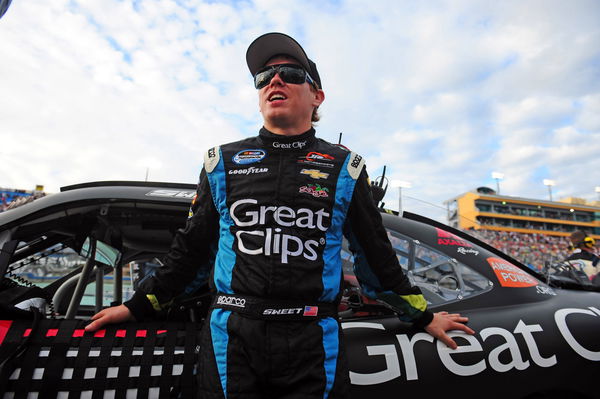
(598,192)
(400,184)
(497,176)
(149,163)
(549,183)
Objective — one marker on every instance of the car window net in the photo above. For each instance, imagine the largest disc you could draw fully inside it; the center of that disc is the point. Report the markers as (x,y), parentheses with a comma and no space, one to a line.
(132,360)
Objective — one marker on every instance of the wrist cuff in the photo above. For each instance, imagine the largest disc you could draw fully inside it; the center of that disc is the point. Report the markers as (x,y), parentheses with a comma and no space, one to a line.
(140,306)
(424,320)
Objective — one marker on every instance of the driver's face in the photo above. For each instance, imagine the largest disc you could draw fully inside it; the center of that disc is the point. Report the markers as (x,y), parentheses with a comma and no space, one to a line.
(287,106)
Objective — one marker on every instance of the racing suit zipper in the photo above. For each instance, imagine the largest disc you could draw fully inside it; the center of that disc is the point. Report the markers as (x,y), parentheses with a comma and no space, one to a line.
(278,195)
(279,170)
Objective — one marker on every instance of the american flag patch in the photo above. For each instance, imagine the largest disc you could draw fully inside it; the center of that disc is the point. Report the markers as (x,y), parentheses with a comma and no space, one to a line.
(311,310)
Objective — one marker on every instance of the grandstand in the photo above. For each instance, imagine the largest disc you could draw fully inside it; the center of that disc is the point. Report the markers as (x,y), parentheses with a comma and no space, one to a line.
(533,231)
(534,250)
(11,197)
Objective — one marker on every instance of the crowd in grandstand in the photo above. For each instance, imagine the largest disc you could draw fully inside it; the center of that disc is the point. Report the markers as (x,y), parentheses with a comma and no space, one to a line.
(10,199)
(534,250)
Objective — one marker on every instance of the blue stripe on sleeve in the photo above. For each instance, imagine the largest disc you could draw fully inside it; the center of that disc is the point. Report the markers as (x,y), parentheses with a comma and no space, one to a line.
(369,283)
(332,261)
(225,259)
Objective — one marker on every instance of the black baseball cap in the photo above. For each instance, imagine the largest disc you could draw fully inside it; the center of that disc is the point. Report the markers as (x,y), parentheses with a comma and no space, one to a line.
(267,46)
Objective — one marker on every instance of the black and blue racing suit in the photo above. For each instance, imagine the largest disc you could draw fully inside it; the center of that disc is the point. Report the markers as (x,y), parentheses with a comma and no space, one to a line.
(278,207)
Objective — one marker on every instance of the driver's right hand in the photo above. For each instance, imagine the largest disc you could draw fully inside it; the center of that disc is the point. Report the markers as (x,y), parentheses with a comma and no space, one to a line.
(113,315)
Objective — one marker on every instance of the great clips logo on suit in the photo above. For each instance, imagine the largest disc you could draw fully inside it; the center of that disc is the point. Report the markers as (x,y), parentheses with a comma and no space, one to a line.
(257,239)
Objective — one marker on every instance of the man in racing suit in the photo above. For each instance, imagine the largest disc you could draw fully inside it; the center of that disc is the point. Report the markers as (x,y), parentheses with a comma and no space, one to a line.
(278,205)
(583,256)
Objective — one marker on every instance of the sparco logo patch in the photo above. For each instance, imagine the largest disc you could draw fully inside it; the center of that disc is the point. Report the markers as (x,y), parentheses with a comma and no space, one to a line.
(356,161)
(314,173)
(272,241)
(248,171)
(231,301)
(315,190)
(295,144)
(249,156)
(212,153)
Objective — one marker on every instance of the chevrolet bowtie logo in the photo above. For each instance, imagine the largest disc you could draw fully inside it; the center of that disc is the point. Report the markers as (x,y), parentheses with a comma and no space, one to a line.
(315,173)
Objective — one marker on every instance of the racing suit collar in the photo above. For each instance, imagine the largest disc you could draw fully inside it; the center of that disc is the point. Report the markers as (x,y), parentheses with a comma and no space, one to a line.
(279,142)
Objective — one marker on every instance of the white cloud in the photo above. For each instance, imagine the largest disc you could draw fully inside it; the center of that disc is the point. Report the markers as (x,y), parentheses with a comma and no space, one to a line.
(589,116)
(535,111)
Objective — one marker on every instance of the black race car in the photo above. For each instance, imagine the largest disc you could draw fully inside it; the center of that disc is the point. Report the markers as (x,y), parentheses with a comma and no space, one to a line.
(67,255)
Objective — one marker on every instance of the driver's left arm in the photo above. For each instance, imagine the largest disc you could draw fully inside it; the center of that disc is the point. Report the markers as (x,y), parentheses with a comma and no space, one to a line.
(375,262)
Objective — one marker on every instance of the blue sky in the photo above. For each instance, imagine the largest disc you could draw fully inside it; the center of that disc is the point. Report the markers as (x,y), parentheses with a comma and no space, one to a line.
(440,92)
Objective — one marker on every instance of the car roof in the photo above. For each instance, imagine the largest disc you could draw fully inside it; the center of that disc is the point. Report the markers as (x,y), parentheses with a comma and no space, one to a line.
(98,192)
(132,216)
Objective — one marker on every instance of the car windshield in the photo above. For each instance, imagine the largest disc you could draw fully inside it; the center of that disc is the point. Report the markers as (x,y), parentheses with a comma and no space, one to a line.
(47,265)
(442,279)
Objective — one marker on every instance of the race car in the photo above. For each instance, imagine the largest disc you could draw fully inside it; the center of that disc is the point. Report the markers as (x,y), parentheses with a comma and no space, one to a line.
(67,255)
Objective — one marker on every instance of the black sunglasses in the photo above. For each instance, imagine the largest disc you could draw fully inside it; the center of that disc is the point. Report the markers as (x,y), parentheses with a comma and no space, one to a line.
(289,73)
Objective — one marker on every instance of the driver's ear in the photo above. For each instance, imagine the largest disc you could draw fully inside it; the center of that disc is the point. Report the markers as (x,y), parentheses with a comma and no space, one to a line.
(319,97)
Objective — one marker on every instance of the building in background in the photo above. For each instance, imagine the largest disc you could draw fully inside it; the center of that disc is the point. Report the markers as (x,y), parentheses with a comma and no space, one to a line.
(533,231)
(483,209)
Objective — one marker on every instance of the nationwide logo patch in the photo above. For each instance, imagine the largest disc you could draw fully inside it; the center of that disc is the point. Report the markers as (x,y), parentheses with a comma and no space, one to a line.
(315,190)
(245,157)
(314,173)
